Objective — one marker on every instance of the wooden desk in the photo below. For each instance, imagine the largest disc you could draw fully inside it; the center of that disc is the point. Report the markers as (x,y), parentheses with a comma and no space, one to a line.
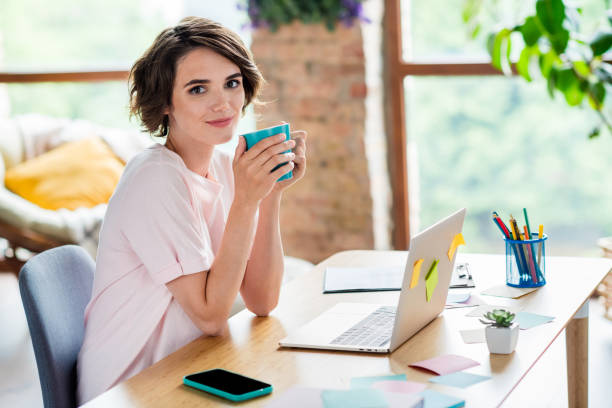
(251,347)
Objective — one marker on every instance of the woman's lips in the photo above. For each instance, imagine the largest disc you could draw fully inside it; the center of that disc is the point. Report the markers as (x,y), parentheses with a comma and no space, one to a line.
(220,122)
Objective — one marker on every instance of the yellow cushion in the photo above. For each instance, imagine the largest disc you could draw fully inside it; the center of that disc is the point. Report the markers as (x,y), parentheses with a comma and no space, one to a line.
(77,174)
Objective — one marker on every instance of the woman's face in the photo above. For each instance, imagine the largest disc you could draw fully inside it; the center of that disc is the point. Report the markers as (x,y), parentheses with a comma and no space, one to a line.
(207,98)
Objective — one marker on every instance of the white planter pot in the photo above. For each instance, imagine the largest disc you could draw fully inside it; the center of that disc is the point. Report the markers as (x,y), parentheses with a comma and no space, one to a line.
(502,340)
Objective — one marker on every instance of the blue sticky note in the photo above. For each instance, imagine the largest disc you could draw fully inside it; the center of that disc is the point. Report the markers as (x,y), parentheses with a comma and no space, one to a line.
(366,382)
(528,320)
(355,398)
(434,399)
(459,379)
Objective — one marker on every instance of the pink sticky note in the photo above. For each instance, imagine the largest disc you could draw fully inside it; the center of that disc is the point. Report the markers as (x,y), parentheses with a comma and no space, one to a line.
(405,387)
(446,364)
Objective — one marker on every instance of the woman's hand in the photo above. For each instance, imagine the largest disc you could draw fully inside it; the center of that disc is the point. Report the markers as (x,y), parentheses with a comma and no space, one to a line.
(299,160)
(253,175)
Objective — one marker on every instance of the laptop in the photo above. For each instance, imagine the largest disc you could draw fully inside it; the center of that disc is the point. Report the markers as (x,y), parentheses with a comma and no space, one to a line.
(374,328)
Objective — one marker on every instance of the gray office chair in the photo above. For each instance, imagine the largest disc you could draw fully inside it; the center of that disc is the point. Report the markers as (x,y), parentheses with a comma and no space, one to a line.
(55,287)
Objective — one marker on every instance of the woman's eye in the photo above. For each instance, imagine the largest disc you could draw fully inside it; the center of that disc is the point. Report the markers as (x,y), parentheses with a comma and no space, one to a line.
(234,83)
(197,90)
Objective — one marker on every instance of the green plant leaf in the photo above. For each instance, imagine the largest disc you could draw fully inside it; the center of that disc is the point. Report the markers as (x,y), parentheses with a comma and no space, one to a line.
(522,66)
(471,8)
(594,132)
(476,31)
(559,40)
(530,30)
(551,14)
(570,85)
(491,44)
(497,53)
(582,68)
(506,64)
(597,95)
(552,81)
(547,61)
(601,43)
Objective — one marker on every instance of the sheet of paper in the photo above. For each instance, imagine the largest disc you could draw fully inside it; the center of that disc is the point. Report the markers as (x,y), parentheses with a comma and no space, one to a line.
(459,379)
(298,397)
(457,240)
(354,398)
(474,300)
(473,336)
(446,364)
(405,387)
(482,309)
(366,382)
(457,297)
(340,279)
(528,320)
(416,271)
(508,291)
(434,399)
(431,280)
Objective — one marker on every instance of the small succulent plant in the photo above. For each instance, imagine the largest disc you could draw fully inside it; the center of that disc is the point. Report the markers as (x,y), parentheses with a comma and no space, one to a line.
(498,318)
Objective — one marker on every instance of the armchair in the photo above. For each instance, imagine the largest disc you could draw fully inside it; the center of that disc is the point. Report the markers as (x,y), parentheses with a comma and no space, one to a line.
(26,226)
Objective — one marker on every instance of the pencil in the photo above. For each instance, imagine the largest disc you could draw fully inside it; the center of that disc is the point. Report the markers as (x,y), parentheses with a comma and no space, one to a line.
(530,255)
(520,255)
(540,236)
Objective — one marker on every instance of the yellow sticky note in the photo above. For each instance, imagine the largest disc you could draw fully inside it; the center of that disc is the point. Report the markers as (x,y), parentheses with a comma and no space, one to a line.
(458,240)
(416,271)
(431,280)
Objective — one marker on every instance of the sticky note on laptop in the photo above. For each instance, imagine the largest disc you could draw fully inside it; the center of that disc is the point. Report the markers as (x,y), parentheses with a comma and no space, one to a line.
(457,240)
(416,272)
(431,280)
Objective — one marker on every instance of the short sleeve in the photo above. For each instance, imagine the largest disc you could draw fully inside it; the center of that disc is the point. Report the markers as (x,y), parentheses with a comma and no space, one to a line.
(163,225)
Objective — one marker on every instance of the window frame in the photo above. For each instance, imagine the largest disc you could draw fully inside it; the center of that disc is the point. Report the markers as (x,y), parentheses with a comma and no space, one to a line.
(396,69)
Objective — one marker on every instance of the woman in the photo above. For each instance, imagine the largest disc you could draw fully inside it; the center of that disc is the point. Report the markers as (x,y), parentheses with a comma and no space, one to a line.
(187,228)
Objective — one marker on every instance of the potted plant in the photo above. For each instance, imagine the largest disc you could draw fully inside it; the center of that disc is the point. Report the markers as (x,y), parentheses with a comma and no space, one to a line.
(501,331)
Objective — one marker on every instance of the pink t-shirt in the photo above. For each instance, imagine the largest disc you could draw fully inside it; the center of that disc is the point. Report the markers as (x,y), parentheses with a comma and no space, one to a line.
(163,221)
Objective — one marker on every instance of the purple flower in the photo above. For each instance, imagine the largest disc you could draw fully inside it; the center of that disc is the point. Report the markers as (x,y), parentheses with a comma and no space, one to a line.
(261,14)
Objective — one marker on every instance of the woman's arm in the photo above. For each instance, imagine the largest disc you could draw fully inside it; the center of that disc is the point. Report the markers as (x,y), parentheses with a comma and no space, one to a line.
(262,280)
(264,274)
(207,297)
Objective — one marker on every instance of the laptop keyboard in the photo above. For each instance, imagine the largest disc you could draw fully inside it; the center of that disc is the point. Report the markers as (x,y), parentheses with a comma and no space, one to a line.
(373,331)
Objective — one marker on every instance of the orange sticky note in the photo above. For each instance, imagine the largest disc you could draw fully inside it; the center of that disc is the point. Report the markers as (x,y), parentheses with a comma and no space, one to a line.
(416,271)
(458,240)
(431,280)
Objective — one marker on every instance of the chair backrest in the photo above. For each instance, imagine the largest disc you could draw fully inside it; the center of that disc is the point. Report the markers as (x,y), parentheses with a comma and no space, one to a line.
(55,288)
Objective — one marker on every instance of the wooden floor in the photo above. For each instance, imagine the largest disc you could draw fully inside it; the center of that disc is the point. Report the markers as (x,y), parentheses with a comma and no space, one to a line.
(544,386)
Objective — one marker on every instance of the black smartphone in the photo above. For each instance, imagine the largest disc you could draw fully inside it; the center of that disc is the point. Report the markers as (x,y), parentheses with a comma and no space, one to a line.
(227,384)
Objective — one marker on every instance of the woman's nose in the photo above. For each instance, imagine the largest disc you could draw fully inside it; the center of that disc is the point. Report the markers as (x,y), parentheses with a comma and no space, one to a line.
(220,102)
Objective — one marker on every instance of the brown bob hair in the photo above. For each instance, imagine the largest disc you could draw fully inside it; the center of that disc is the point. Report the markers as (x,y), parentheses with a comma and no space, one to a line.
(152,76)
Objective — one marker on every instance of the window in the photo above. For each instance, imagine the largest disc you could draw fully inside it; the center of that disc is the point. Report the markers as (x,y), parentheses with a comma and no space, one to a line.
(492,143)
(97,35)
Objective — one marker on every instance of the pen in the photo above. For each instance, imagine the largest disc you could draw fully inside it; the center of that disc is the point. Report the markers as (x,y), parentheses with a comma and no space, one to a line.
(521,261)
(530,255)
(540,235)
(528,235)
(531,250)
(501,226)
(501,222)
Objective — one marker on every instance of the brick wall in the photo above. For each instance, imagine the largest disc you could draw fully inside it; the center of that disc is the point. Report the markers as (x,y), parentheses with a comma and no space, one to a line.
(316,82)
